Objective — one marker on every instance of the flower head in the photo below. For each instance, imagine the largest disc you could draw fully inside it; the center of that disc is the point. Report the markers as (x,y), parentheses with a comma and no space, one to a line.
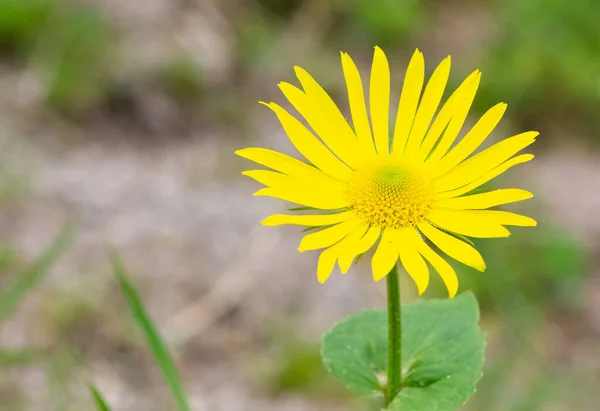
(406,191)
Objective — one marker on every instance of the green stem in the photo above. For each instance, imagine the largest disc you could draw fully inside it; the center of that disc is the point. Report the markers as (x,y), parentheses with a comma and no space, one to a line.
(394,336)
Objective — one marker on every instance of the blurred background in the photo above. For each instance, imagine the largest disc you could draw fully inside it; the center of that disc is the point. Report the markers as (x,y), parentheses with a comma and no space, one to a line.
(124,116)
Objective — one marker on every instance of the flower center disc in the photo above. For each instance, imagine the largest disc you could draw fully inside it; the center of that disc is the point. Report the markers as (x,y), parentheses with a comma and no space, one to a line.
(390,193)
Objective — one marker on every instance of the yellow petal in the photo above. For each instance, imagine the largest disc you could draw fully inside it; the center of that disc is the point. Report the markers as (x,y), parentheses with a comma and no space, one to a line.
(329,256)
(441,266)
(455,248)
(325,118)
(467,222)
(386,255)
(362,245)
(304,197)
(358,108)
(504,218)
(288,165)
(480,131)
(523,158)
(312,220)
(409,100)
(352,242)
(309,146)
(319,191)
(454,111)
(486,200)
(463,104)
(329,236)
(270,178)
(326,263)
(380,101)
(429,104)
(411,260)
(484,161)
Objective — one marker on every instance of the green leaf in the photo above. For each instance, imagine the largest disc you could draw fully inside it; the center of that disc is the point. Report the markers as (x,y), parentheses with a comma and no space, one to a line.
(99,401)
(442,353)
(355,351)
(157,346)
(15,292)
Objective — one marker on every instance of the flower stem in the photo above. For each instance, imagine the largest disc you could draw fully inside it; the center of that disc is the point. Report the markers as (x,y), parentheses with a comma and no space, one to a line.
(394,375)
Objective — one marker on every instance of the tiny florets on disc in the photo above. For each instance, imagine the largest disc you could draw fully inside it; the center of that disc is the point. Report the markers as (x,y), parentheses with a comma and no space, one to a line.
(390,193)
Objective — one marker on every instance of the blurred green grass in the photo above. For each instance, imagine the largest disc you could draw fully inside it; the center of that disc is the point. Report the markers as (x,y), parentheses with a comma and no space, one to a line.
(544,60)
(20,287)
(20,24)
(99,401)
(540,56)
(68,44)
(15,288)
(61,364)
(160,353)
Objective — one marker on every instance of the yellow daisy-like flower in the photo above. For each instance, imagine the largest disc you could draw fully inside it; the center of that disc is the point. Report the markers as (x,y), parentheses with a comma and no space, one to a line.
(404,189)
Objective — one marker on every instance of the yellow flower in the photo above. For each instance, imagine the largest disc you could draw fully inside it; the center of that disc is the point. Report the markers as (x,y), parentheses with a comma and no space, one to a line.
(403,189)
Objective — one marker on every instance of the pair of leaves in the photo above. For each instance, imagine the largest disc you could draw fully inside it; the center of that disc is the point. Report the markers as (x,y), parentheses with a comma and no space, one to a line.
(442,353)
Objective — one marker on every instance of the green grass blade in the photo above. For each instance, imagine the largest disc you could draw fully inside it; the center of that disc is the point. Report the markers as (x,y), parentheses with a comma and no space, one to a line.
(157,346)
(99,401)
(15,292)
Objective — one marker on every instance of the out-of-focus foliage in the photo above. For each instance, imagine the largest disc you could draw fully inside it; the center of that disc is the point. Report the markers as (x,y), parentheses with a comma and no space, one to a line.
(13,290)
(391,22)
(9,258)
(11,295)
(21,23)
(255,35)
(281,9)
(540,268)
(76,52)
(182,80)
(68,44)
(297,368)
(544,60)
